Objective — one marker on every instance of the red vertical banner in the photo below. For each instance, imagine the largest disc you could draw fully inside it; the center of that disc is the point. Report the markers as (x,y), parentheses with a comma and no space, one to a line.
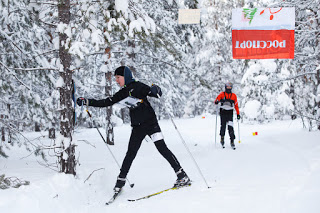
(257,34)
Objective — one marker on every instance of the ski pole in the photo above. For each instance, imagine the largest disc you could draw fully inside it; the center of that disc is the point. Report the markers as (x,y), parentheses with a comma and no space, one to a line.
(185,145)
(215,135)
(239,131)
(114,158)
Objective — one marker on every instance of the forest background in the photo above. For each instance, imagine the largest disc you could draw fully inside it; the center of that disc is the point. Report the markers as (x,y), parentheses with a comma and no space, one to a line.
(51,50)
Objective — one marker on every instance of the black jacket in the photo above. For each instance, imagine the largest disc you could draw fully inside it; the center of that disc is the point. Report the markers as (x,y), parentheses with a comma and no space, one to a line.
(140,115)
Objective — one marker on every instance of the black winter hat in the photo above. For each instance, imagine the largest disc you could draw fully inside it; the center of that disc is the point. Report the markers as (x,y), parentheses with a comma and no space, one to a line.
(126,73)
(119,71)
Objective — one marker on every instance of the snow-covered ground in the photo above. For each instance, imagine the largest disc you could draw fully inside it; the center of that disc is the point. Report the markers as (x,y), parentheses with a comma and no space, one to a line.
(276,171)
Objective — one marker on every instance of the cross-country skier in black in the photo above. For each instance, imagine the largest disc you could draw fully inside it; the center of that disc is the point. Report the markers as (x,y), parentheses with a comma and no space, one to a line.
(143,122)
(228,101)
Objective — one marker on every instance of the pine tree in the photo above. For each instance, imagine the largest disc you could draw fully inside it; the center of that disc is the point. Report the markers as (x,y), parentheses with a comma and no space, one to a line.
(22,64)
(307,62)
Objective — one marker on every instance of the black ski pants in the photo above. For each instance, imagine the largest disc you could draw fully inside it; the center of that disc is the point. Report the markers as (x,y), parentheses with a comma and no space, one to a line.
(226,117)
(137,135)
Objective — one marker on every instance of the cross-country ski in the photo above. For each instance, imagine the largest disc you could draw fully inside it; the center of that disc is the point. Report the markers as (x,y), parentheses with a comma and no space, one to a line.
(158,193)
(113,198)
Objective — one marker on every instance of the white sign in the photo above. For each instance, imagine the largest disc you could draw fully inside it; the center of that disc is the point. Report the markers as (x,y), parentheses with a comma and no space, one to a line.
(189,16)
(263,18)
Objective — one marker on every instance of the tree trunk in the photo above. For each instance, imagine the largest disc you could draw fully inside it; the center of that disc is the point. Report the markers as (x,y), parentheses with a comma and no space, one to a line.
(131,56)
(318,76)
(318,103)
(3,137)
(109,130)
(66,116)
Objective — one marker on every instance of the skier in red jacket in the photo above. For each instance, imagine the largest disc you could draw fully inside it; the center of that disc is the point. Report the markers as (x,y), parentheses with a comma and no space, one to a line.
(228,101)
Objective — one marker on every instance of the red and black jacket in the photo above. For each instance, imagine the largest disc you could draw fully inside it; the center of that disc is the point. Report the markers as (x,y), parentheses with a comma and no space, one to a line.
(228,101)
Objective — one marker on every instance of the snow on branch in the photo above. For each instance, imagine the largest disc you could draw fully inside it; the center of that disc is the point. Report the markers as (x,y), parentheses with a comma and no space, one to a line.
(289,78)
(142,22)
(48,2)
(13,43)
(14,75)
(33,69)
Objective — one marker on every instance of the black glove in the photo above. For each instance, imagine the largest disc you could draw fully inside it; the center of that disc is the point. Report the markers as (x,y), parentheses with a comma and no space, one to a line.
(155,90)
(238,117)
(82,101)
(216,102)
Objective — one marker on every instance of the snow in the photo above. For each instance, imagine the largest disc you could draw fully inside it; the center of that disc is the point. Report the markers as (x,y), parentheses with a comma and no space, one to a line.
(269,111)
(37,99)
(285,101)
(277,170)
(86,34)
(252,70)
(60,82)
(269,65)
(56,43)
(79,49)
(62,28)
(122,5)
(252,109)
(97,38)
(141,24)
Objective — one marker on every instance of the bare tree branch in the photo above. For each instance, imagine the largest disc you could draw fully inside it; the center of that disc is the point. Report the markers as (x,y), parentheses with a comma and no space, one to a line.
(92,173)
(33,69)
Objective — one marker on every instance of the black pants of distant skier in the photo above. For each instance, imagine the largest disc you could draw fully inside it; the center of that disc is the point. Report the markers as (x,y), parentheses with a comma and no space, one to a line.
(226,117)
(137,135)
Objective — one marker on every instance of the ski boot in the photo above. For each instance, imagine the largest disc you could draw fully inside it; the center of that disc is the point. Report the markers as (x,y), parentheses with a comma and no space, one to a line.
(222,141)
(182,180)
(119,184)
(232,144)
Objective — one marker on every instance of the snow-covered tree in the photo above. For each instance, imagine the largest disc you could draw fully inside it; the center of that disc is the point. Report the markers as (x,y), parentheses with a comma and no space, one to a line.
(262,98)
(23,66)
(191,63)
(307,58)
(213,61)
